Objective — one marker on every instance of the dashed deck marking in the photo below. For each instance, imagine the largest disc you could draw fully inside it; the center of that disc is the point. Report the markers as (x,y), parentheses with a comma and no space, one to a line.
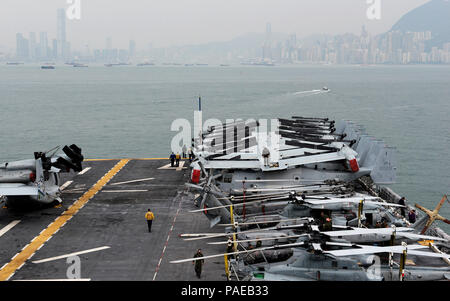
(9,227)
(132,181)
(71,254)
(8,271)
(84,171)
(167,241)
(65,185)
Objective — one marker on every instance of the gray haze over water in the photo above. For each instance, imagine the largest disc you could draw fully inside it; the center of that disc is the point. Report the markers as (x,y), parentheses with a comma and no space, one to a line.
(127,111)
(179,22)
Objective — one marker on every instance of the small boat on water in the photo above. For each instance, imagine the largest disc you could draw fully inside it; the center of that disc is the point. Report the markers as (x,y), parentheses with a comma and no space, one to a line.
(47,67)
(80,65)
(117,64)
(145,64)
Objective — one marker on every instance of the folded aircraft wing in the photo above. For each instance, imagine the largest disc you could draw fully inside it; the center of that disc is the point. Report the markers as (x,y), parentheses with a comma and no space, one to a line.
(18,189)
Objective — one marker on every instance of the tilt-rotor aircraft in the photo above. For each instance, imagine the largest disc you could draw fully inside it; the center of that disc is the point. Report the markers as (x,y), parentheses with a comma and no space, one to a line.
(38,179)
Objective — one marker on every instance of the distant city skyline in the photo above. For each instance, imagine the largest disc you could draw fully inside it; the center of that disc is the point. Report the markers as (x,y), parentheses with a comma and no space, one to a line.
(265,47)
(393,47)
(164,24)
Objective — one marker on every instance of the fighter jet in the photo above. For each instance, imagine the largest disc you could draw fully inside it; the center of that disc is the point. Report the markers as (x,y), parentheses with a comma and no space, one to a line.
(38,179)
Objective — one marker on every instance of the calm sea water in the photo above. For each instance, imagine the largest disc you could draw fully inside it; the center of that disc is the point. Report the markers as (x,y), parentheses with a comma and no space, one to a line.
(127,111)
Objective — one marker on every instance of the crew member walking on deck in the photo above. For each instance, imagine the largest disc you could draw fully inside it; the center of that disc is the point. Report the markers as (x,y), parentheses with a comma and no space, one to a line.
(149,216)
(172,160)
(198,264)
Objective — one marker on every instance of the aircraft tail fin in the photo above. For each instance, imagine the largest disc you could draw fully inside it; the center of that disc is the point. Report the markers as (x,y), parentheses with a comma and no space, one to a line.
(373,154)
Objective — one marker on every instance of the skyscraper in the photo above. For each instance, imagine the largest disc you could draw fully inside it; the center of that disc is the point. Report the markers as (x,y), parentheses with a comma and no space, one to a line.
(55,49)
(43,45)
(22,49)
(267,51)
(32,46)
(61,33)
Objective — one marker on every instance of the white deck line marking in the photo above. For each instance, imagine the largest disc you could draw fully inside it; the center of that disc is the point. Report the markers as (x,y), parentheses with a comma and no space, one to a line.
(84,171)
(9,227)
(79,279)
(11,268)
(167,166)
(71,254)
(124,190)
(132,181)
(167,242)
(181,166)
(64,186)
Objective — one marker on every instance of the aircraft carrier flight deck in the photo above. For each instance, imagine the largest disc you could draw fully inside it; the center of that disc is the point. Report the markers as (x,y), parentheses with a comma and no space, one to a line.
(101,220)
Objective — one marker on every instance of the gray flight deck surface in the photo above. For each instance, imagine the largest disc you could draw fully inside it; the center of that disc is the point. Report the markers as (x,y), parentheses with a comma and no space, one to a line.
(114,219)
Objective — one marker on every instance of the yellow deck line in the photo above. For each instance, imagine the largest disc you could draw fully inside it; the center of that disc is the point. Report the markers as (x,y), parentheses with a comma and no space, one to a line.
(45,235)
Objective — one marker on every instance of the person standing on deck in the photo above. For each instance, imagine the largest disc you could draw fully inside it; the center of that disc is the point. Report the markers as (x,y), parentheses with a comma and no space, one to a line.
(229,245)
(172,160)
(198,264)
(403,203)
(325,223)
(149,216)
(183,150)
(190,154)
(266,155)
(177,160)
(412,216)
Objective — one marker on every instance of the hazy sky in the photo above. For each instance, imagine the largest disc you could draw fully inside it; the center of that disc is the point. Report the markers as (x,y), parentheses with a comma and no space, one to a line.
(178,22)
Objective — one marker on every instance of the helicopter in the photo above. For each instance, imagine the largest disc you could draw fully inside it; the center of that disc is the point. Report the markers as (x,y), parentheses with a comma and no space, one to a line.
(38,179)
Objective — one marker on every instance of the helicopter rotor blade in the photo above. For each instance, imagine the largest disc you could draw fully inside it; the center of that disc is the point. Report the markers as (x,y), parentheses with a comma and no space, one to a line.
(239,252)
(261,239)
(261,222)
(247,231)
(236,205)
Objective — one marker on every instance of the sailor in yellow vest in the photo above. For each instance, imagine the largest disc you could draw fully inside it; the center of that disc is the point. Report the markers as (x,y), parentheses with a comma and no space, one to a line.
(149,216)
(177,159)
